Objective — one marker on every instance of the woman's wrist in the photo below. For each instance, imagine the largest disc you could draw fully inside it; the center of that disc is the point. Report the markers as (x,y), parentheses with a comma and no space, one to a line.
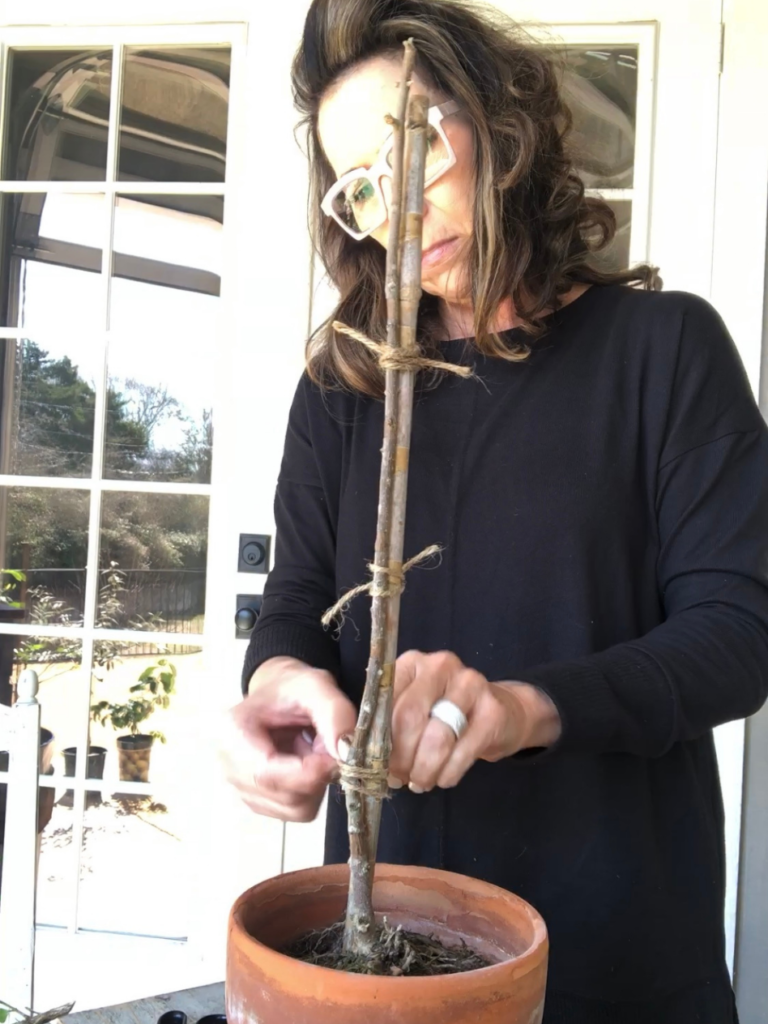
(538,720)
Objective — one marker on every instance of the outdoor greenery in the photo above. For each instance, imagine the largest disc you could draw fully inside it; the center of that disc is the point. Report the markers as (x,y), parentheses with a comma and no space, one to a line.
(45,608)
(156,685)
(9,578)
(46,534)
(56,420)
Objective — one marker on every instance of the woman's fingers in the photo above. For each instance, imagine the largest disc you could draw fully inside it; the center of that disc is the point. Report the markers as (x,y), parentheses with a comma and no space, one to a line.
(277,753)
(422,746)
(426,752)
(486,724)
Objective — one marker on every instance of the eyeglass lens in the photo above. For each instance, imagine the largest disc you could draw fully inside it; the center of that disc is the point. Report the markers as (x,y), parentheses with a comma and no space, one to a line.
(359,205)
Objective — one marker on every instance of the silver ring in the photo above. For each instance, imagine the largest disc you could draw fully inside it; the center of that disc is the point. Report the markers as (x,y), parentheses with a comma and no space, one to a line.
(451,715)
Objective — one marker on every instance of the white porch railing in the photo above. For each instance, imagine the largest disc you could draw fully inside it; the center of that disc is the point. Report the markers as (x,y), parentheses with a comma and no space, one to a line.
(20,735)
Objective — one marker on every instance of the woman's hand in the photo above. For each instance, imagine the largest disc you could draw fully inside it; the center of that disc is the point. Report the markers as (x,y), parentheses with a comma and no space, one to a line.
(503,718)
(281,745)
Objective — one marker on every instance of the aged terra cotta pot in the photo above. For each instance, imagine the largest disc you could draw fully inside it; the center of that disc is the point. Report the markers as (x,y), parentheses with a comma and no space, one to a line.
(267,987)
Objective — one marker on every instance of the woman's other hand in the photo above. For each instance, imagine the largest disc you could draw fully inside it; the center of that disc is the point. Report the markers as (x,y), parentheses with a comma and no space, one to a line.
(503,718)
(281,741)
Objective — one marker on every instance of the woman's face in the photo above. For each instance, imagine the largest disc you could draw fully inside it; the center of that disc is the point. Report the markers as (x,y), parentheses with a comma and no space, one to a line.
(352,130)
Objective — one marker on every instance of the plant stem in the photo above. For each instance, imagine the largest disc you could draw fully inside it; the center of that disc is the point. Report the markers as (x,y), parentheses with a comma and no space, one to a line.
(370,745)
(380,738)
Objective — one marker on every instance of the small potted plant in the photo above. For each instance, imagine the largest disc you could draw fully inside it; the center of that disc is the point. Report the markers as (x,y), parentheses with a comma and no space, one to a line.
(156,685)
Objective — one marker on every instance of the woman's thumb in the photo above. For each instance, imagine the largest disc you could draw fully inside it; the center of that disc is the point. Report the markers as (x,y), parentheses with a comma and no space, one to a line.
(334,717)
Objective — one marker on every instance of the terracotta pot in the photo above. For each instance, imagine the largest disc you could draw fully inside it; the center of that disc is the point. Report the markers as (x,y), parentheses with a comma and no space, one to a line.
(133,757)
(267,987)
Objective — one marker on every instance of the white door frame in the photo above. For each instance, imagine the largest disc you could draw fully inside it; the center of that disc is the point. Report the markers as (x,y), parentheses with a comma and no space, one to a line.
(740,293)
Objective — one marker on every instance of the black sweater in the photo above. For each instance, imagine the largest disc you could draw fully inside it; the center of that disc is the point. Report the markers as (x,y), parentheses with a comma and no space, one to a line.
(603,510)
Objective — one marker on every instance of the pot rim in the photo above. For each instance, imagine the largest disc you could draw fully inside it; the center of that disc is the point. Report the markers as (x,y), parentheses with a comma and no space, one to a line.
(132,737)
(338,873)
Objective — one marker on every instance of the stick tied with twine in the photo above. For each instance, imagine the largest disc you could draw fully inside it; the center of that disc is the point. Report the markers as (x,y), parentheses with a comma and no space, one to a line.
(367,781)
(395,584)
(390,358)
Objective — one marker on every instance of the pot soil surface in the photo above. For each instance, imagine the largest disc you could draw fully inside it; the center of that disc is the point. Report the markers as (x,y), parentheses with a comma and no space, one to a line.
(396,953)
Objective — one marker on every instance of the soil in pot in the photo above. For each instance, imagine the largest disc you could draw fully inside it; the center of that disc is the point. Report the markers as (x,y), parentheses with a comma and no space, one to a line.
(133,757)
(266,985)
(396,953)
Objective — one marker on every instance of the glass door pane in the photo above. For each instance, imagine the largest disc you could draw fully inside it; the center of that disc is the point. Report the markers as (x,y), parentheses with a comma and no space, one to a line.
(106,437)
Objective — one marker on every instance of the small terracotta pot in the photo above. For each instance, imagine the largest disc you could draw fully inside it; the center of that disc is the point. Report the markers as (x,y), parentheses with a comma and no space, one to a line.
(267,987)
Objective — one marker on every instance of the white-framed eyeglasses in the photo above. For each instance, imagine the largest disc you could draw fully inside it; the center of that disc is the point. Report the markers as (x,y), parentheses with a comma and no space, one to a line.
(356,201)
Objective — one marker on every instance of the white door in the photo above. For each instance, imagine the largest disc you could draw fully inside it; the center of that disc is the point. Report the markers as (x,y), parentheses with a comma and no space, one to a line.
(115,174)
(121,147)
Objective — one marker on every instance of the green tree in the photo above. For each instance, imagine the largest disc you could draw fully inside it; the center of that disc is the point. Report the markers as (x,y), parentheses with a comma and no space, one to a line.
(56,416)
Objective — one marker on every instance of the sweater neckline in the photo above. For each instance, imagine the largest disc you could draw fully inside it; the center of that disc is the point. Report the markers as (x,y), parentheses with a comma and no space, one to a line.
(554,319)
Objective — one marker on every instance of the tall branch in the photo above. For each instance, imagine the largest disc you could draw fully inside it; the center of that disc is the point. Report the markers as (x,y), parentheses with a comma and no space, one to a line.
(363,811)
(380,739)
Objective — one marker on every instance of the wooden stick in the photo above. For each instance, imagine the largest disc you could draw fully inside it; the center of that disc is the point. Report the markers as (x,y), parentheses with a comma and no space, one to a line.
(359,931)
(380,740)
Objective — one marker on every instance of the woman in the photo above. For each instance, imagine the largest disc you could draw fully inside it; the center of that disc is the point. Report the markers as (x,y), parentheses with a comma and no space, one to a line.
(600,491)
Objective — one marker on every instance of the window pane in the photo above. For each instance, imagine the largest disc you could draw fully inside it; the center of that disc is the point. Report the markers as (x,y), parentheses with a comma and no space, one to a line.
(47,401)
(126,830)
(173,119)
(58,115)
(159,431)
(167,264)
(43,550)
(152,561)
(58,663)
(616,255)
(50,261)
(600,87)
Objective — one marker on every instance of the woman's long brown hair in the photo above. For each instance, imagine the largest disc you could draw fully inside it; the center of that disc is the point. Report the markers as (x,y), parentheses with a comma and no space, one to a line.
(535,231)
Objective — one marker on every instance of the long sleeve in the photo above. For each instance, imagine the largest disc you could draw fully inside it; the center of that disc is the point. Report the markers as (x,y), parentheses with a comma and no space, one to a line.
(707,663)
(301,585)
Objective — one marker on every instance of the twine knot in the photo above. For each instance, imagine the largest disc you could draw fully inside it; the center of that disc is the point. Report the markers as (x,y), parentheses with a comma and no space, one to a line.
(390,358)
(395,583)
(367,781)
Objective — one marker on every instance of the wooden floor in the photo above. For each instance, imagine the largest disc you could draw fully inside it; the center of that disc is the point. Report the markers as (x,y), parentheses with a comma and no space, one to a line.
(195,1002)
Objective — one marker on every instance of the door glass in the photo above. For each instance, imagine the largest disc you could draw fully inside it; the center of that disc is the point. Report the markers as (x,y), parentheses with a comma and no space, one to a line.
(50,261)
(43,547)
(616,255)
(159,412)
(600,84)
(167,265)
(48,395)
(58,663)
(142,735)
(86,402)
(57,115)
(173,120)
(152,557)
(600,87)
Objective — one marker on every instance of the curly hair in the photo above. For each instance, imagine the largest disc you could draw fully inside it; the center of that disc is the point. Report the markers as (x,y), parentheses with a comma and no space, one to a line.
(535,232)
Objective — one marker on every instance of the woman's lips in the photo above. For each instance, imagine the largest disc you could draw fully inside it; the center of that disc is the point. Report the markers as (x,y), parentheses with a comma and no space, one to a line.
(438,252)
